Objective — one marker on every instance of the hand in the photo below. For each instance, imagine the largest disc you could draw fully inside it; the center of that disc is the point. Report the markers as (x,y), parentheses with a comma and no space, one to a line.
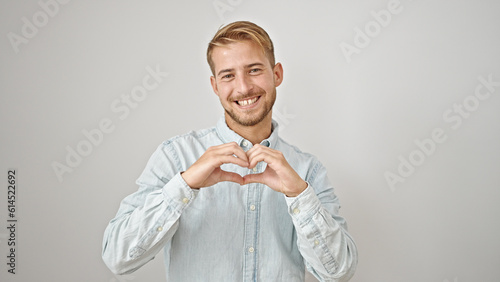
(279,175)
(206,170)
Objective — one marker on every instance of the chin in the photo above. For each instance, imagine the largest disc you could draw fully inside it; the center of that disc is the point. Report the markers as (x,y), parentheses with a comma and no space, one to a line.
(247,121)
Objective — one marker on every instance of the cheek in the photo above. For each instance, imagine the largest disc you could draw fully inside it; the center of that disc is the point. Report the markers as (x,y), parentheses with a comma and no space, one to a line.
(268,80)
(224,91)
(267,85)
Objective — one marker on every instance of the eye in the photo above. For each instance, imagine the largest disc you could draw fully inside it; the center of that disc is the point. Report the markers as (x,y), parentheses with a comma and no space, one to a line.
(255,70)
(227,76)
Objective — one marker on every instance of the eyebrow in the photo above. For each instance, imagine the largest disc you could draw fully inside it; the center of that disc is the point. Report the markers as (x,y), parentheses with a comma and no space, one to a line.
(254,65)
(246,67)
(224,71)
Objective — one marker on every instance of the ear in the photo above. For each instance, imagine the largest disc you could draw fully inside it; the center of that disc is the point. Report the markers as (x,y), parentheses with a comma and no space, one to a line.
(214,85)
(278,74)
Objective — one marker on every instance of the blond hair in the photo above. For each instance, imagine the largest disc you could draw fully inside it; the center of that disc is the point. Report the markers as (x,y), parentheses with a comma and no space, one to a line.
(237,32)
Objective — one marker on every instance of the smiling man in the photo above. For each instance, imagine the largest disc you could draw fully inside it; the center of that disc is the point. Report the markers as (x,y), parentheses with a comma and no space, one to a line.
(234,202)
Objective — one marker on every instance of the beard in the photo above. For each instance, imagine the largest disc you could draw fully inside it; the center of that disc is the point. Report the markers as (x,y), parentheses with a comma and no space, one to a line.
(251,121)
(256,118)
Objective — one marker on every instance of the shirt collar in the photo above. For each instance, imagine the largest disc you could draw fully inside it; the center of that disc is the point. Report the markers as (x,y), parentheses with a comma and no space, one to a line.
(228,135)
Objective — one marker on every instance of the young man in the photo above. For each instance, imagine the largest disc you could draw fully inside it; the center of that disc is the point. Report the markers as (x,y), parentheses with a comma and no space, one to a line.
(234,202)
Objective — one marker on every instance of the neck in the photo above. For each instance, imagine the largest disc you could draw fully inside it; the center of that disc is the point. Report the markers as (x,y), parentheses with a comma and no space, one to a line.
(255,133)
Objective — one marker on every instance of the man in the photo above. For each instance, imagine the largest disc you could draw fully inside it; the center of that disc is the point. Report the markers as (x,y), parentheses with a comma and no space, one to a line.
(234,202)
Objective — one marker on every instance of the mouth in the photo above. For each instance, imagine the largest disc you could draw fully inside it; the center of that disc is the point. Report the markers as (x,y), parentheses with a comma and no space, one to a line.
(247,102)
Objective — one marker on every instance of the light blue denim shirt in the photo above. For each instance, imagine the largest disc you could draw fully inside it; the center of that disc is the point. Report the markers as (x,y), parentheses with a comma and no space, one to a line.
(229,232)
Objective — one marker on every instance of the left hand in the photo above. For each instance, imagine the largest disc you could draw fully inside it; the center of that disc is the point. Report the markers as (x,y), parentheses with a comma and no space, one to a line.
(279,175)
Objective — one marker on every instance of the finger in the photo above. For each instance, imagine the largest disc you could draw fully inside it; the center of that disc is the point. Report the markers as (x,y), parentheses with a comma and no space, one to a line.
(266,156)
(230,176)
(254,178)
(239,152)
(233,149)
(226,153)
(256,147)
(252,153)
(231,159)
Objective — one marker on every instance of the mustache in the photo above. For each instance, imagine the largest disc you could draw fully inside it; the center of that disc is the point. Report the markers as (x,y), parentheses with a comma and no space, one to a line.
(249,94)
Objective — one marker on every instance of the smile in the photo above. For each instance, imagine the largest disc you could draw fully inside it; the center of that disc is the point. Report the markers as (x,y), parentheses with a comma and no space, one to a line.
(247,102)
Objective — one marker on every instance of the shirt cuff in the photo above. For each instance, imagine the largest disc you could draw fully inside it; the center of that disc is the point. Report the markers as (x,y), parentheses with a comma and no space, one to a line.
(178,192)
(305,205)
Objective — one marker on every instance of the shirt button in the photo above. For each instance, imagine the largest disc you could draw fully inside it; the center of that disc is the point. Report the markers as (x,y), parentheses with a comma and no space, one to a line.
(245,143)
(316,242)
(251,250)
(296,211)
(185,200)
(254,169)
(252,207)
(159,229)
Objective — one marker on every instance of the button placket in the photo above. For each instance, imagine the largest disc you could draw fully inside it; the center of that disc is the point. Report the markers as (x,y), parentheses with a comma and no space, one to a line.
(251,230)
(258,168)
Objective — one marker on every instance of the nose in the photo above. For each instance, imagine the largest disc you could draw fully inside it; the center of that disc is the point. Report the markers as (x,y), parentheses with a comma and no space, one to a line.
(243,84)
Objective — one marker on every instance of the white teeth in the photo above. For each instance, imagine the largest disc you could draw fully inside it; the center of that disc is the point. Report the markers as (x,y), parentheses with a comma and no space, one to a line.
(247,102)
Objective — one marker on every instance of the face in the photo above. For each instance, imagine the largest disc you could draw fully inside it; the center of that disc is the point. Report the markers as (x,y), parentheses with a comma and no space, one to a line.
(245,82)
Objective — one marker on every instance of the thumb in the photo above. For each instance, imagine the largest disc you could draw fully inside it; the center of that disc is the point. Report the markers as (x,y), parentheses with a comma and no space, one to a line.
(254,178)
(230,176)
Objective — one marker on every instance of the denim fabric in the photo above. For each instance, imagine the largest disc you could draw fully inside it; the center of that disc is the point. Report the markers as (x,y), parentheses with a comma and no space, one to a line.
(229,232)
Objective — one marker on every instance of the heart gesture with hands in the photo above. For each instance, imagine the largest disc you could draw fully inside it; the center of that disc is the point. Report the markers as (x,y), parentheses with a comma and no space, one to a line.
(279,175)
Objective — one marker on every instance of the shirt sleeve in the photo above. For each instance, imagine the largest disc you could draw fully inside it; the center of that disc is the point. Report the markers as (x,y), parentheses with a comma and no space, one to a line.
(329,252)
(148,218)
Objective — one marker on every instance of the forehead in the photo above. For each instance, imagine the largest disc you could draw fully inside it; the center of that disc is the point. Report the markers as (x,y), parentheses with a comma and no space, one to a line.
(238,54)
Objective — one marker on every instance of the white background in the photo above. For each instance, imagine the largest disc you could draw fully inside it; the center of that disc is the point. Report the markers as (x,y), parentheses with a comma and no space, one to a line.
(359,113)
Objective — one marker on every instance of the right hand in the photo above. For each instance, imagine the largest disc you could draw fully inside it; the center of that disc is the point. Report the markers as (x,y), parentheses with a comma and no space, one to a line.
(206,170)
